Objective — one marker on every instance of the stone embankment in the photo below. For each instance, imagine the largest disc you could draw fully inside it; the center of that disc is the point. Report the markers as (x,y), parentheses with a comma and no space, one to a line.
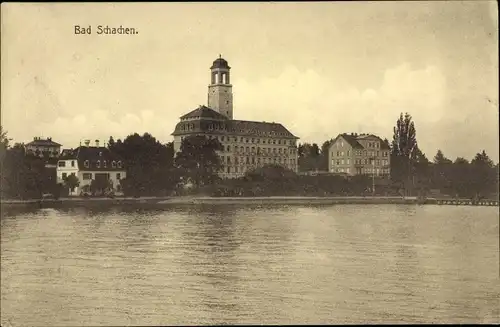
(273,200)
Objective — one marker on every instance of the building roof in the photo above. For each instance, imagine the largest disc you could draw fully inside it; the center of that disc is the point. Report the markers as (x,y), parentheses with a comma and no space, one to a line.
(220,63)
(204,112)
(93,155)
(42,142)
(353,138)
(216,123)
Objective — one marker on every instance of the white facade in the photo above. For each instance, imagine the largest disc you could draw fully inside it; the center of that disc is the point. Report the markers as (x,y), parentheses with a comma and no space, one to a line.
(85,177)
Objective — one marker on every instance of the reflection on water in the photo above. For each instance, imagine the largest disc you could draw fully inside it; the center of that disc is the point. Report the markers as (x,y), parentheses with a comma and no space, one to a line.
(250,265)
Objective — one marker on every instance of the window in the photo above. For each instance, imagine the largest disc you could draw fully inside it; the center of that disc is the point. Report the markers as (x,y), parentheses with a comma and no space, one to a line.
(228,148)
(61,163)
(348,161)
(348,153)
(228,169)
(86,164)
(119,164)
(348,170)
(118,176)
(72,163)
(98,164)
(104,163)
(228,160)
(113,164)
(87,176)
(64,175)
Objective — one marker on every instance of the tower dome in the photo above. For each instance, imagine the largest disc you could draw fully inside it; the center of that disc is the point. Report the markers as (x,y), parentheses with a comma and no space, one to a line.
(220,63)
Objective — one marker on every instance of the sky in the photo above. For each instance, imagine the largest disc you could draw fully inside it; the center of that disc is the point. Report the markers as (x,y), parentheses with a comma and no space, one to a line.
(319,68)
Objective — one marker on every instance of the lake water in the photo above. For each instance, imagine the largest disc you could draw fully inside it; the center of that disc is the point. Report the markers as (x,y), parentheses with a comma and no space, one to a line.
(250,265)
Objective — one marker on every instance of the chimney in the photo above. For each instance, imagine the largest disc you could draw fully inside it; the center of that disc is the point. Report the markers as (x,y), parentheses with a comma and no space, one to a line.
(87,143)
(97,143)
(49,138)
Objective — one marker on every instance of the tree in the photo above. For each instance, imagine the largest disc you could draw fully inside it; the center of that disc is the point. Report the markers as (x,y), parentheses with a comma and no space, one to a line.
(323,164)
(149,164)
(111,142)
(421,170)
(71,182)
(441,172)
(461,161)
(483,175)
(482,159)
(404,150)
(198,160)
(440,159)
(309,157)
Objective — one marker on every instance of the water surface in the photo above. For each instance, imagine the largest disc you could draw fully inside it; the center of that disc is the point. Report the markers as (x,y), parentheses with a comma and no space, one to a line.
(250,265)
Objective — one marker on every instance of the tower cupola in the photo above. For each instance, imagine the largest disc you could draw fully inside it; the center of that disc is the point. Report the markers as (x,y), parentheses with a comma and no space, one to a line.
(220,94)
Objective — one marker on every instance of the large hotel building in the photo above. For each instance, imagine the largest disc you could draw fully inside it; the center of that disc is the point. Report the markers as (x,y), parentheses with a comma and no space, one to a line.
(247,144)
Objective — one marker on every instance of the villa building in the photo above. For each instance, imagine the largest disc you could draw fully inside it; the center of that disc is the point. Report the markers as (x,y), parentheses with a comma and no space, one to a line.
(40,147)
(247,144)
(89,163)
(363,154)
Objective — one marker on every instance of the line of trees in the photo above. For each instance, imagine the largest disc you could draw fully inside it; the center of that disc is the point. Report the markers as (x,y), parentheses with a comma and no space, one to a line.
(153,170)
(412,173)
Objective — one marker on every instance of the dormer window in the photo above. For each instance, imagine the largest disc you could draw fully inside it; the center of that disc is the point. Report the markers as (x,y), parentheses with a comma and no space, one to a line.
(86,164)
(104,163)
(100,154)
(98,164)
(113,164)
(119,164)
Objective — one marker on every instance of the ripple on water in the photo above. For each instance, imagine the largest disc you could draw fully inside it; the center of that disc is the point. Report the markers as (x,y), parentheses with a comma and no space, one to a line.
(261,265)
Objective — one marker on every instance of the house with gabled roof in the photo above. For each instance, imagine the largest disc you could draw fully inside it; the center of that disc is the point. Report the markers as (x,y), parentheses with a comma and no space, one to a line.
(41,147)
(89,163)
(247,144)
(359,154)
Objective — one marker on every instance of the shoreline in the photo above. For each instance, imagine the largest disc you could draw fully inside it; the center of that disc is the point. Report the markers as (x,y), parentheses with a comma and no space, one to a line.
(206,200)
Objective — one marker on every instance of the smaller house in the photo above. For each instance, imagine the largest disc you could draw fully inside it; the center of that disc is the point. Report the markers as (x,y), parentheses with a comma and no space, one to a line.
(41,147)
(91,163)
